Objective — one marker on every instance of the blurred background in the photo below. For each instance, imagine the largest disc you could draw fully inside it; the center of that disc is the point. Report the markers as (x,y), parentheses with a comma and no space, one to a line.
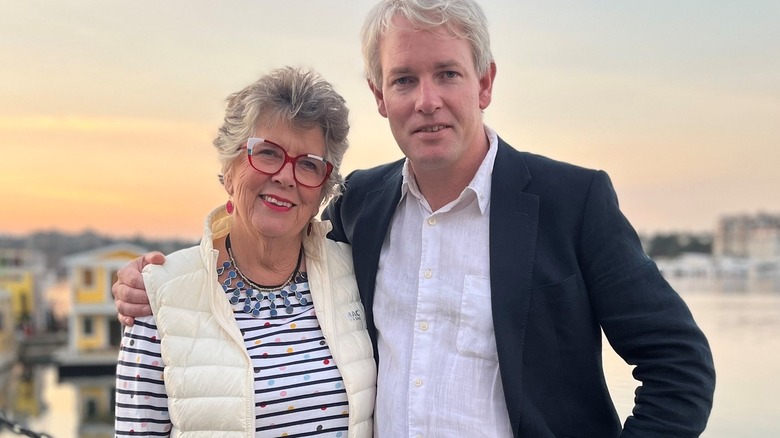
(108,110)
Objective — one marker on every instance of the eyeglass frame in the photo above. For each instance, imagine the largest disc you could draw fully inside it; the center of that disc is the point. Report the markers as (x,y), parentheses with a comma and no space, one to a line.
(253,141)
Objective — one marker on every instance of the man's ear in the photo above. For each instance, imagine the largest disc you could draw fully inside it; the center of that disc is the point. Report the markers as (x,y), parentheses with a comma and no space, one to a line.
(380,98)
(486,86)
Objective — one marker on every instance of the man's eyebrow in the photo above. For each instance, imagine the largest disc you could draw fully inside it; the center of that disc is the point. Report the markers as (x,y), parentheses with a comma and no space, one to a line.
(447,64)
(442,65)
(398,71)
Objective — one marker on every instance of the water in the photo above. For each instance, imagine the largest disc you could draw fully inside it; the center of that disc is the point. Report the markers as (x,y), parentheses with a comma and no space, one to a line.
(742,328)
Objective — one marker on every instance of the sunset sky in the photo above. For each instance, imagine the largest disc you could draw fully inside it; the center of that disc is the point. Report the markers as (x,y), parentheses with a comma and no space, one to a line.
(108,108)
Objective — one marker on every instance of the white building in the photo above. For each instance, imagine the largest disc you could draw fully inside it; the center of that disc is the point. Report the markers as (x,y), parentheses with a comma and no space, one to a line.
(756,236)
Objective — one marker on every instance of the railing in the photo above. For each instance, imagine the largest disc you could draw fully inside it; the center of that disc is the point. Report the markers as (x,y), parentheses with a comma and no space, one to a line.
(18,428)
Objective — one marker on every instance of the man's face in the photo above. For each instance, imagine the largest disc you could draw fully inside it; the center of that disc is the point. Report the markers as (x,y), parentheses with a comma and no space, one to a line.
(433,98)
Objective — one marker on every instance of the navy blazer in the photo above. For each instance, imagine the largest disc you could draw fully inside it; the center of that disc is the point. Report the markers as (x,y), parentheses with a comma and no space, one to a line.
(565,264)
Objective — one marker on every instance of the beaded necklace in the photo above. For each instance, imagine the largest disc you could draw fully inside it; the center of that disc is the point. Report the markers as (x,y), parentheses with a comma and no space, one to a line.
(256,293)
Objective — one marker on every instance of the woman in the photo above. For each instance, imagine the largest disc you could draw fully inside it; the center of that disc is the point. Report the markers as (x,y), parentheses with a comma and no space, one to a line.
(259,330)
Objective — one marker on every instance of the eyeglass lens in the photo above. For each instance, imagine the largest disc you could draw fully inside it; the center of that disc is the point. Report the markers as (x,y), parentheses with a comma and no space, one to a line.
(308,170)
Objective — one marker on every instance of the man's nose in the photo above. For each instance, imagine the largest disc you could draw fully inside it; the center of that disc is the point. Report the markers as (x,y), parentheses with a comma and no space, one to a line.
(428,97)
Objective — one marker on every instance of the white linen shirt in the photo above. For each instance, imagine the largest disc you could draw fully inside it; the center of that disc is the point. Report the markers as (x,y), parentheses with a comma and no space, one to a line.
(438,364)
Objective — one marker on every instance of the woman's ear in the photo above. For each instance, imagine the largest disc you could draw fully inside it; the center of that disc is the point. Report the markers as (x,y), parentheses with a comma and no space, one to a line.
(227,181)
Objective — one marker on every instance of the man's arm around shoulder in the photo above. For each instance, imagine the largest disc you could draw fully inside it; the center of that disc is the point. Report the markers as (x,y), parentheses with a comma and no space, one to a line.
(129,291)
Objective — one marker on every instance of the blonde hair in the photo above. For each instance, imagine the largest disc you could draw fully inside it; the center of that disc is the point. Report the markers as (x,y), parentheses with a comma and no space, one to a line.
(463,18)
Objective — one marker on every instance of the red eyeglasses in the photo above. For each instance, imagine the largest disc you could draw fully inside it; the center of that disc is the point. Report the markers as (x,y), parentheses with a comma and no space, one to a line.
(267,157)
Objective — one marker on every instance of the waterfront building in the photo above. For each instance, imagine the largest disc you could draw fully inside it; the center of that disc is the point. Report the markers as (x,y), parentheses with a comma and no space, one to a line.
(23,275)
(7,334)
(753,236)
(94,333)
(765,243)
(8,355)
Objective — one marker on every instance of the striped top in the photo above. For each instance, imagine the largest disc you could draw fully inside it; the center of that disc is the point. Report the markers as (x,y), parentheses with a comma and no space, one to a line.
(298,388)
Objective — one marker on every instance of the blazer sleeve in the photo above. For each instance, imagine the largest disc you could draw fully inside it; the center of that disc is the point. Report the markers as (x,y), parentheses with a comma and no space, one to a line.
(646,322)
(333,213)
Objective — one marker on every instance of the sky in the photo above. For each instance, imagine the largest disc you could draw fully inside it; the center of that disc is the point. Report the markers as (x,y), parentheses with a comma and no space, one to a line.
(108,108)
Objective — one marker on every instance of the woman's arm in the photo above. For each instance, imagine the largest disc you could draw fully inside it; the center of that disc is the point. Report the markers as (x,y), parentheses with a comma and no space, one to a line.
(141,400)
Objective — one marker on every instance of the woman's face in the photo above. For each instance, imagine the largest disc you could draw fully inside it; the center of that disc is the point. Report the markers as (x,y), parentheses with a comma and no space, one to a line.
(276,206)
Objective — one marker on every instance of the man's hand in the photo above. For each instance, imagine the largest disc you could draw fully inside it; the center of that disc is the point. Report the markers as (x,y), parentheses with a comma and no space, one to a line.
(129,290)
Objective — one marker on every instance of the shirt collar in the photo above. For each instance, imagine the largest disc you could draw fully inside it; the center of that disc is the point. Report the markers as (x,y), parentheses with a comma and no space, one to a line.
(480,185)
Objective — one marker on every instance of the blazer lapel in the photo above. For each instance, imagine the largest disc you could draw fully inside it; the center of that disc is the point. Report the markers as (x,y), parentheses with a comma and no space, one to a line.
(369,235)
(514,217)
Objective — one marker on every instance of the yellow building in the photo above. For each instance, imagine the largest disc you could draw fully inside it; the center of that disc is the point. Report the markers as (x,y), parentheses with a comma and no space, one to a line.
(94,333)
(8,353)
(22,273)
(7,337)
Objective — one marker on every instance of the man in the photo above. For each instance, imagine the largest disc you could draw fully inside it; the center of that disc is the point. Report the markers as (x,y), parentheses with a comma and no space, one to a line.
(488,274)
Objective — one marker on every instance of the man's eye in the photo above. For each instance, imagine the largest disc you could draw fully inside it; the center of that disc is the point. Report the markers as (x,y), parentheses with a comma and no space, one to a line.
(402,81)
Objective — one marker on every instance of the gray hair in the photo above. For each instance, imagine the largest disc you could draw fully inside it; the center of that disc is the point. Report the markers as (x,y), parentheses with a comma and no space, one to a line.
(301,98)
(463,18)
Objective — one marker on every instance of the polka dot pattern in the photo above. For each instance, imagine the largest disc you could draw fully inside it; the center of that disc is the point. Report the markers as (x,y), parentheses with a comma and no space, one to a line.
(141,400)
(298,388)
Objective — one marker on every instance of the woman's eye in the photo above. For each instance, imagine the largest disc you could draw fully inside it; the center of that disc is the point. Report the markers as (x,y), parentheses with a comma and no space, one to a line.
(308,166)
(267,153)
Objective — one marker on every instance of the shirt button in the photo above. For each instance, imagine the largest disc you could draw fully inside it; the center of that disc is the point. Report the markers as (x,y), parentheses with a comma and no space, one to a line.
(418,382)
(431,221)
(423,326)
(428,274)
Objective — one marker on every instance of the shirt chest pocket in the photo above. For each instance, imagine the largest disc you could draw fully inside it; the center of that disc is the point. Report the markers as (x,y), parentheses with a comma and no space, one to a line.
(476,337)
